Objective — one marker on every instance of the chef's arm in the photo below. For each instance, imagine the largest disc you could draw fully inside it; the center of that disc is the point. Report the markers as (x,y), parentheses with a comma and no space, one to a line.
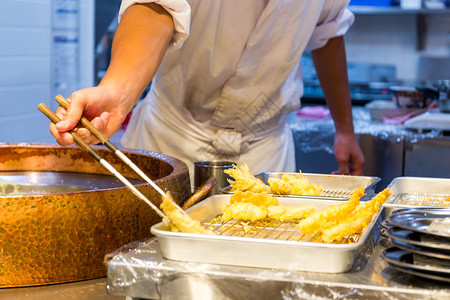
(138,47)
(139,44)
(331,67)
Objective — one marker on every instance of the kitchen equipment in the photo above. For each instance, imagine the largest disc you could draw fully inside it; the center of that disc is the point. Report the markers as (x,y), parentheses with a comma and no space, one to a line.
(414,192)
(419,249)
(85,122)
(79,141)
(430,252)
(48,182)
(203,170)
(413,97)
(417,238)
(200,193)
(443,87)
(381,109)
(261,244)
(336,187)
(422,221)
(47,237)
(430,120)
(417,265)
(444,105)
(140,271)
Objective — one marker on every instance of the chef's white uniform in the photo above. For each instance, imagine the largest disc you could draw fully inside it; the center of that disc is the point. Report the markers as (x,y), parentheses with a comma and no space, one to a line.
(223,92)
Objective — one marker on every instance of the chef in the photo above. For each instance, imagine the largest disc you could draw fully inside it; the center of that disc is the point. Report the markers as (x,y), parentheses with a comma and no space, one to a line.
(225,73)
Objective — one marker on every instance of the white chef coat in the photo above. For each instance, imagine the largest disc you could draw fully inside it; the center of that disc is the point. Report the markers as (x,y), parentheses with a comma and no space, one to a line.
(223,93)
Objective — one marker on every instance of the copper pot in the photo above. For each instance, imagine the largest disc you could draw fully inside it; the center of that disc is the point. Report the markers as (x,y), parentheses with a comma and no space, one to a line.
(63,237)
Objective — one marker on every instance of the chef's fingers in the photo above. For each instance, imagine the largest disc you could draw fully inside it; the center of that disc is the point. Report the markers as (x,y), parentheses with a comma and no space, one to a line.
(357,168)
(63,138)
(100,122)
(78,103)
(343,167)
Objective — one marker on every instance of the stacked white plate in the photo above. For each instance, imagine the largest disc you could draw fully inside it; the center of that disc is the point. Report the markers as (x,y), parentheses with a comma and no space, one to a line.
(421,239)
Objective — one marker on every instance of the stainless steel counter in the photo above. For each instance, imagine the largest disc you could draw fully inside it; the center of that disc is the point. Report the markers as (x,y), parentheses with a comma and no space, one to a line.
(94,289)
(142,272)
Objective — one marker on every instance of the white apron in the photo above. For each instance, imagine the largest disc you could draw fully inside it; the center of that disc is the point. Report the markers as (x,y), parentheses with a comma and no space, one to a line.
(225,93)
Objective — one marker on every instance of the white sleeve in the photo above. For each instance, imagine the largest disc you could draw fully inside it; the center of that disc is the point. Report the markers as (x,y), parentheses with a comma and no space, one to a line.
(331,24)
(178,9)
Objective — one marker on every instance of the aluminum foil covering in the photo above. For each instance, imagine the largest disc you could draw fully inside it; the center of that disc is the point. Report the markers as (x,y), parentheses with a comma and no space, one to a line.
(139,271)
(313,134)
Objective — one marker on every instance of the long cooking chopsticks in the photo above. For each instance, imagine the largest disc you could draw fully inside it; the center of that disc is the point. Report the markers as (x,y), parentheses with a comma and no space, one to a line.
(95,132)
(85,146)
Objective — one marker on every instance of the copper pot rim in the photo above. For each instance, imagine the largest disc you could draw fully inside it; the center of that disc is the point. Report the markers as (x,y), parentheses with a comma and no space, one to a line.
(179,168)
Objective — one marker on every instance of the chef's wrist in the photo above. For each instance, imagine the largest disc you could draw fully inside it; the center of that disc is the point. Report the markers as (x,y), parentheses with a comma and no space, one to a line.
(349,132)
(120,92)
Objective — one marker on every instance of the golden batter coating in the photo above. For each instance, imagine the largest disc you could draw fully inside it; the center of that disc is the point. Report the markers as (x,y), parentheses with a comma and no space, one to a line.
(288,213)
(245,181)
(294,185)
(357,220)
(259,199)
(181,222)
(279,186)
(327,217)
(249,206)
(244,211)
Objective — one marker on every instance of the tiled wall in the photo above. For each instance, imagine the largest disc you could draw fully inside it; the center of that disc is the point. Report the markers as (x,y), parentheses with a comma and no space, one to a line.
(25,69)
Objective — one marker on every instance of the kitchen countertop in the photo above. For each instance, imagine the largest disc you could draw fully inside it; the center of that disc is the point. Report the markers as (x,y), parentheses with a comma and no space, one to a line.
(142,272)
(362,122)
(94,289)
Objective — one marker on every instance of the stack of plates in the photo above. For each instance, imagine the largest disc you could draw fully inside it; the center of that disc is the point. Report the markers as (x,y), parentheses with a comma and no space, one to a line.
(421,239)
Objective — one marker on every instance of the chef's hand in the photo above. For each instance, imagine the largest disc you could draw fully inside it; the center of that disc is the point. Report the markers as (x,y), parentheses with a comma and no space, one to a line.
(100,105)
(348,154)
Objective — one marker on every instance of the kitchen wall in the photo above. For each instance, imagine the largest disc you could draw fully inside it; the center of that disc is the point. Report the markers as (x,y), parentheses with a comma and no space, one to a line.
(393,38)
(25,68)
(42,52)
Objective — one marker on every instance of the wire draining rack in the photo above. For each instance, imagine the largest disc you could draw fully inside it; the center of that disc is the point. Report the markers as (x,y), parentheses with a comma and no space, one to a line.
(264,229)
(421,199)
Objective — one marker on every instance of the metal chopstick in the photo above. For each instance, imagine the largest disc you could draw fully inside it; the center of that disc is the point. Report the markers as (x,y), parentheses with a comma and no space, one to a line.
(85,146)
(88,125)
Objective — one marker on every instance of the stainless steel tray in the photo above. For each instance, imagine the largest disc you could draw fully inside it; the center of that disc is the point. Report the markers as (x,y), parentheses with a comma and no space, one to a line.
(419,221)
(336,187)
(422,266)
(431,252)
(417,238)
(277,248)
(409,192)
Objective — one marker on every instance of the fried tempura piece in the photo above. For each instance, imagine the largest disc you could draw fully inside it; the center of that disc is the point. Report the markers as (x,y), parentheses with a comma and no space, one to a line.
(279,186)
(245,181)
(357,220)
(300,185)
(181,222)
(293,185)
(244,211)
(287,213)
(258,199)
(317,222)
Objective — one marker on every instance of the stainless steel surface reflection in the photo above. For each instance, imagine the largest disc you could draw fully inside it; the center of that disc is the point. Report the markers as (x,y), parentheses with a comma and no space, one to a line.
(42,182)
(204,170)
(142,272)
(81,290)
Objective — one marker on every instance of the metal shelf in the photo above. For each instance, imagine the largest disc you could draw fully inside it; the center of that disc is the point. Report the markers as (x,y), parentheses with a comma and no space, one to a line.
(422,16)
